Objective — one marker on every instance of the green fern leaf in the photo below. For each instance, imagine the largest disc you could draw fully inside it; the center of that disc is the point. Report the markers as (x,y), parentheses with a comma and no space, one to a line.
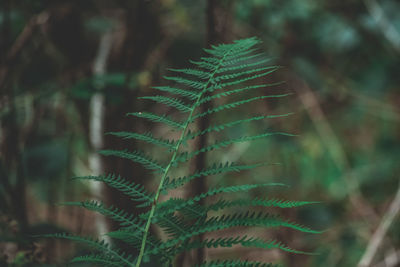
(134,238)
(125,219)
(277,203)
(204,65)
(99,259)
(235,75)
(176,204)
(226,68)
(100,246)
(171,102)
(173,225)
(244,65)
(156,118)
(212,170)
(191,95)
(147,137)
(236,263)
(183,157)
(136,192)
(135,156)
(236,91)
(236,104)
(220,127)
(198,73)
(191,83)
(231,241)
(248,219)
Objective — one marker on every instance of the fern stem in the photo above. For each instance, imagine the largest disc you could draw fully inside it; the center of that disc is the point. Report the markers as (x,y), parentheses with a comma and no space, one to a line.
(177,146)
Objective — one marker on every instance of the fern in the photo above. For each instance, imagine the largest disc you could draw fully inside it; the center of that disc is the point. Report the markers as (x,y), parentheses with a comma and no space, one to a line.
(220,75)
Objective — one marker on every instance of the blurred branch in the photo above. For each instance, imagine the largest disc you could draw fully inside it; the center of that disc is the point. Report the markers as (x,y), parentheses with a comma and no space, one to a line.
(380,232)
(329,138)
(97,119)
(20,43)
(326,133)
(374,106)
(392,259)
(387,28)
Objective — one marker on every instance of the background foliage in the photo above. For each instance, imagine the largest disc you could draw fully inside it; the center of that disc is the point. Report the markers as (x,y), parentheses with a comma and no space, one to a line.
(341,62)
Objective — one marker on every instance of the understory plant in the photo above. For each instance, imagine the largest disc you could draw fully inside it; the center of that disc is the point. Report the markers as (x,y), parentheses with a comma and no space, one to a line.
(229,71)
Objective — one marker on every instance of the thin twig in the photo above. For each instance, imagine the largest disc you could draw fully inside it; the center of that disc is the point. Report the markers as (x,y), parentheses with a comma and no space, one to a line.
(392,259)
(20,43)
(387,28)
(329,138)
(380,232)
(97,119)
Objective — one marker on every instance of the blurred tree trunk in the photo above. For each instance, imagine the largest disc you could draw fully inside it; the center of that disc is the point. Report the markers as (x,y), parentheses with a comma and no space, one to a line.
(218,23)
(137,35)
(96,131)
(5,30)
(11,145)
(11,151)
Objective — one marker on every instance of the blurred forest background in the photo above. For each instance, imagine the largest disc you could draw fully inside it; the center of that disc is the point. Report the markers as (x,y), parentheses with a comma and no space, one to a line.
(71,70)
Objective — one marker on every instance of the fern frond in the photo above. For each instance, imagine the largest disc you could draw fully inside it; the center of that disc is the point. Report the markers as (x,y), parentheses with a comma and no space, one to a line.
(248,219)
(183,157)
(277,203)
(258,243)
(100,259)
(204,65)
(220,127)
(236,263)
(244,65)
(235,60)
(124,218)
(172,225)
(177,91)
(191,83)
(230,189)
(236,91)
(227,67)
(234,75)
(237,46)
(136,192)
(219,54)
(212,170)
(147,137)
(168,101)
(231,241)
(134,238)
(216,223)
(236,104)
(198,73)
(218,86)
(100,246)
(135,156)
(176,204)
(157,118)
(212,60)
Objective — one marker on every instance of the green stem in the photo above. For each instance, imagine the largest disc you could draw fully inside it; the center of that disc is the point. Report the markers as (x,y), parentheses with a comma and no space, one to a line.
(188,121)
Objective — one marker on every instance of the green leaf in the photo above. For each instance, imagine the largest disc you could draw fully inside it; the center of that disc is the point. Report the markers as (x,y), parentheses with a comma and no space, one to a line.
(100,246)
(177,91)
(220,127)
(147,137)
(135,156)
(212,170)
(99,259)
(171,102)
(156,118)
(136,192)
(236,104)
(125,219)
